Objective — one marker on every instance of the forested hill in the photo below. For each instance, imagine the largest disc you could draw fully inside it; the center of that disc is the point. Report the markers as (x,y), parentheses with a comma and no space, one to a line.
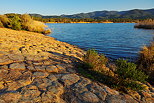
(133,14)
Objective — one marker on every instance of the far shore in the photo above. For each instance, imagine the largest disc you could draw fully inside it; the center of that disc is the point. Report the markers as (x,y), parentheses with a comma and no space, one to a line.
(88,22)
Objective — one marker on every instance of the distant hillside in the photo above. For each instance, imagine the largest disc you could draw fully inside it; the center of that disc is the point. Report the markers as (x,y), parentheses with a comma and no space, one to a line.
(41,16)
(133,14)
(36,15)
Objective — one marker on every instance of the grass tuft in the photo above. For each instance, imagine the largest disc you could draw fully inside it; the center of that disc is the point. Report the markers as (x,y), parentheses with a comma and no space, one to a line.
(95,61)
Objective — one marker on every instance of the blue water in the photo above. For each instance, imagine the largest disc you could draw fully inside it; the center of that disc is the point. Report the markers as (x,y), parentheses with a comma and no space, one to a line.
(115,40)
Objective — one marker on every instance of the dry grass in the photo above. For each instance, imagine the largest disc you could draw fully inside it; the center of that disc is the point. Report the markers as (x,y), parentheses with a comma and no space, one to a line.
(5,20)
(146,60)
(31,25)
(25,22)
(34,26)
(95,61)
(146,24)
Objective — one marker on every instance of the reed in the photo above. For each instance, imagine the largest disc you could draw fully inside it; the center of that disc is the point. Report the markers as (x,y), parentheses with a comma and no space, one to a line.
(32,25)
(146,24)
(146,60)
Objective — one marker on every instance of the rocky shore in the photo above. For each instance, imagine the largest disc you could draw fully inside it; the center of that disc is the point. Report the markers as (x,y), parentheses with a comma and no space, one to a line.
(35,68)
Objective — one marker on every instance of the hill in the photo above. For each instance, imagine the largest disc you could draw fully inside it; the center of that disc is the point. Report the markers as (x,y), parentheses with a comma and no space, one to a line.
(133,14)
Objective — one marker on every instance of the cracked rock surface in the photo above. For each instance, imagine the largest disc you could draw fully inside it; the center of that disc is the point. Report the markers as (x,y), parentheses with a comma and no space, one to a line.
(39,69)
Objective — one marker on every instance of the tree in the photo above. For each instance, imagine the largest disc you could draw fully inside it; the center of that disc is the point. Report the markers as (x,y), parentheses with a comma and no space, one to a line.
(15,23)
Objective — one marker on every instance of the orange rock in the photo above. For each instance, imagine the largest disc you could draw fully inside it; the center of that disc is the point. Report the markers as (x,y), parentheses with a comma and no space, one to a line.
(10,97)
(145,94)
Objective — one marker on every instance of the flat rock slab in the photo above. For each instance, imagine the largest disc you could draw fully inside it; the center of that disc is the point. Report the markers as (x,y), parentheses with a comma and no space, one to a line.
(52,69)
(89,97)
(18,66)
(40,74)
(70,79)
(4,59)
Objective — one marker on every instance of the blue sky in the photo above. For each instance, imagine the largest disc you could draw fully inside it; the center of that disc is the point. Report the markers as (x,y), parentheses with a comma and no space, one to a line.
(58,7)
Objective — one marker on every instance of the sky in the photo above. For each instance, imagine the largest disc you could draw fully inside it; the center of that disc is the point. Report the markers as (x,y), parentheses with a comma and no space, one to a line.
(59,7)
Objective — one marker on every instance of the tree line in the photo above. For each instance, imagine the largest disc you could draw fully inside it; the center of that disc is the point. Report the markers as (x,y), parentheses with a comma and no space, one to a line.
(90,20)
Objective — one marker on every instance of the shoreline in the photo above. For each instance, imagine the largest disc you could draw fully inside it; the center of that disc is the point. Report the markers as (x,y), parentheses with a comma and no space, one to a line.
(87,22)
(37,68)
(37,40)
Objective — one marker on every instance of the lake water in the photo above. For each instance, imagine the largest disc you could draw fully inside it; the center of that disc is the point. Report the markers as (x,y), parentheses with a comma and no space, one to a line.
(115,40)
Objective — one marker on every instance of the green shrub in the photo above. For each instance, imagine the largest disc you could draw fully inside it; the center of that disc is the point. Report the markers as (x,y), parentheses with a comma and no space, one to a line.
(128,75)
(95,61)
(127,70)
(133,85)
(15,23)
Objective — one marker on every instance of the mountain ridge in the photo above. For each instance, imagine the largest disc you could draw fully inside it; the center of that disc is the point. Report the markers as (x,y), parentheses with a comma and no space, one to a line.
(133,14)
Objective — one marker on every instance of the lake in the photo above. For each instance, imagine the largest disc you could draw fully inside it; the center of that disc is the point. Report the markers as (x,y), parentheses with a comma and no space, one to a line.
(115,40)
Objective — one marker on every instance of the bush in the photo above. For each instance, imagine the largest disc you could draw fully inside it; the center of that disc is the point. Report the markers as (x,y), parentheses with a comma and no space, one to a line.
(146,60)
(5,21)
(26,18)
(95,61)
(133,85)
(126,75)
(127,70)
(24,22)
(35,26)
(94,67)
(31,25)
(11,15)
(15,23)
(1,25)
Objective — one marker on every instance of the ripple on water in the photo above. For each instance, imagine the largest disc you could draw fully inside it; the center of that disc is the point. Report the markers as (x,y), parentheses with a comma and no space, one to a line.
(115,40)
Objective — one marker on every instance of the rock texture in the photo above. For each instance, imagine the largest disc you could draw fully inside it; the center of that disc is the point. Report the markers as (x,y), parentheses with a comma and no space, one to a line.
(38,69)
